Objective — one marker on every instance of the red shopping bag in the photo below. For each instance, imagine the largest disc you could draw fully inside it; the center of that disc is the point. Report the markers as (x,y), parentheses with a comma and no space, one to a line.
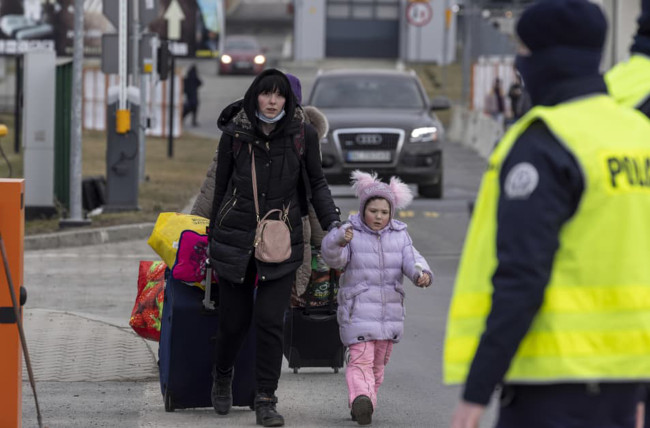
(147,311)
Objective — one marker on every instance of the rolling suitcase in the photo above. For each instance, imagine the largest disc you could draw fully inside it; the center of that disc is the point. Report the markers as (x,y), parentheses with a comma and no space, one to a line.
(186,353)
(311,334)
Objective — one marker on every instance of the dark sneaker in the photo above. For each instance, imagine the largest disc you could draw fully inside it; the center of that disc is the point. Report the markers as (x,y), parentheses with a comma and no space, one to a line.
(362,410)
(265,412)
(221,393)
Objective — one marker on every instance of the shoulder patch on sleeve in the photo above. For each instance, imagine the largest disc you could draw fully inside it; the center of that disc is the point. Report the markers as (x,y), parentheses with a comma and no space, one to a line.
(521,181)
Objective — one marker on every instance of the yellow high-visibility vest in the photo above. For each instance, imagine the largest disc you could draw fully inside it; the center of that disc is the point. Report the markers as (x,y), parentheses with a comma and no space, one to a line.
(594,323)
(629,82)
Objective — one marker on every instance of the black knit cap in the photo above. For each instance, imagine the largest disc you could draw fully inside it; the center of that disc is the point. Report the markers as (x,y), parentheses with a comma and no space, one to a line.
(570,23)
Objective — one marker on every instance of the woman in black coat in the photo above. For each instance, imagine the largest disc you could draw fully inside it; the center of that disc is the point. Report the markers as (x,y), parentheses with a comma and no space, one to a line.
(267,122)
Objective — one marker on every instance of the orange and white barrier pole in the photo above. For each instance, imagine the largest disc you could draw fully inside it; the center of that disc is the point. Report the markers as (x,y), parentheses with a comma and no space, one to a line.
(12,230)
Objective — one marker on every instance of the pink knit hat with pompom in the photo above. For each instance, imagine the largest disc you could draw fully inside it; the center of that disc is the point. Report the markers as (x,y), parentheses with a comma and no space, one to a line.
(366,186)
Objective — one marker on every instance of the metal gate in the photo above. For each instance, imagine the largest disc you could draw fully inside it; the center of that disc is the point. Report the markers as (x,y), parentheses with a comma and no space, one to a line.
(362,28)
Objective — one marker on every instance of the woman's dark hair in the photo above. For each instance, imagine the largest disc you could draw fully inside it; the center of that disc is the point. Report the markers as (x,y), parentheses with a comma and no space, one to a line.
(272,83)
(270,80)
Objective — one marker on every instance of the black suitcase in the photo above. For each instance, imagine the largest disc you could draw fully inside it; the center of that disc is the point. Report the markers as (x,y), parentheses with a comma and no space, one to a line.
(186,353)
(311,337)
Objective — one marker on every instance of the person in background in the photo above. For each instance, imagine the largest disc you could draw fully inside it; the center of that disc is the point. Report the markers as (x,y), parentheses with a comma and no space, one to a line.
(495,104)
(519,99)
(264,123)
(376,252)
(543,305)
(191,84)
(312,231)
(629,81)
(514,94)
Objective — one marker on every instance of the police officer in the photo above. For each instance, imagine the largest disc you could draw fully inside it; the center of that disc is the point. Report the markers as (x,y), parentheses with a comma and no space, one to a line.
(629,81)
(552,296)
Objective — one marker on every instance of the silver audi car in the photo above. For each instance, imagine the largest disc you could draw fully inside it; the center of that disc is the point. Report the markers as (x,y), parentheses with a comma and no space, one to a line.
(382,121)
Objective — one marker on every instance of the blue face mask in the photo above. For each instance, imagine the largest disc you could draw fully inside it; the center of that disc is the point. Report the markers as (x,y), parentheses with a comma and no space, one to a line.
(265,119)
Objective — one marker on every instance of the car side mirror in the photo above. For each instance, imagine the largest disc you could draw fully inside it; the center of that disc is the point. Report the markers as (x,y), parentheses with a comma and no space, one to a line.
(440,103)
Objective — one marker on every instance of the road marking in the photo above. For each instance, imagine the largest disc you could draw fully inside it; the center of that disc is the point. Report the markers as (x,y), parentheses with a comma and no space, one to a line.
(406,214)
(431,214)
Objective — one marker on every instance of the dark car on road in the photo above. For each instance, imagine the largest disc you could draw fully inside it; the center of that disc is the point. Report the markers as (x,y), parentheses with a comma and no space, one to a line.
(241,55)
(382,121)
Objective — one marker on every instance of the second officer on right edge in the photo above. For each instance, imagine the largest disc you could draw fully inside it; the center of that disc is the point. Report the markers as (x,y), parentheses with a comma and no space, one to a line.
(629,81)
(552,295)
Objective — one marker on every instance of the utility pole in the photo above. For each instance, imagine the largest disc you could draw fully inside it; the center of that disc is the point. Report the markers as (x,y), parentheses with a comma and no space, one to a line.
(76,214)
(468,21)
(138,81)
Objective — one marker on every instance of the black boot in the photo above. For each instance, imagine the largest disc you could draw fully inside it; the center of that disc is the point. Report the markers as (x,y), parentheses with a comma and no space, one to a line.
(362,410)
(265,411)
(221,391)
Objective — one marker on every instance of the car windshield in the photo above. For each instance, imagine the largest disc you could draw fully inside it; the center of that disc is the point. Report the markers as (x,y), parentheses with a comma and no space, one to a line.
(241,45)
(387,92)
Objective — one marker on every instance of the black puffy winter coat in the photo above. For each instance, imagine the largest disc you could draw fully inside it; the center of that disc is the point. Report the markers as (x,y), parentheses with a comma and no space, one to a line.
(284,178)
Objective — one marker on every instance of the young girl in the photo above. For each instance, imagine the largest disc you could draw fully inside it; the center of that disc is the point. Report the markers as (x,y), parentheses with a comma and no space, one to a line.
(376,252)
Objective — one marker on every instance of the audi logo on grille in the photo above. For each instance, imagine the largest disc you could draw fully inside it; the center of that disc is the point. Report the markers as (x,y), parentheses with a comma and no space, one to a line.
(368,139)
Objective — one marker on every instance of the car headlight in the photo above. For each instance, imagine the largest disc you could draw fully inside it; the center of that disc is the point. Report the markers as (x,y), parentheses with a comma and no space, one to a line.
(226,59)
(259,59)
(424,135)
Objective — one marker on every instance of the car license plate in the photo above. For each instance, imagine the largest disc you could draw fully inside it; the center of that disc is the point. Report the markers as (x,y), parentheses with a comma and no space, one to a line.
(242,64)
(368,156)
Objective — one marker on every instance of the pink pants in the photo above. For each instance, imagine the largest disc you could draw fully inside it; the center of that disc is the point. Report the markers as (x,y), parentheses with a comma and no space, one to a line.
(365,370)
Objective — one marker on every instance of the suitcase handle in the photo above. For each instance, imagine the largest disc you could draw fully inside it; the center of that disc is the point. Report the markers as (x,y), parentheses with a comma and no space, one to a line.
(208,303)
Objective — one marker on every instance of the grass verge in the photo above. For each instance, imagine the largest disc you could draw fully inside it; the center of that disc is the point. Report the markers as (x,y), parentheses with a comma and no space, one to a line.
(441,80)
(171,183)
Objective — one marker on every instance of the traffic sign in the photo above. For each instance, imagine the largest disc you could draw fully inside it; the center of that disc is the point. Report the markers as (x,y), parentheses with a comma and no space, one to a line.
(419,13)
(174,15)
(147,11)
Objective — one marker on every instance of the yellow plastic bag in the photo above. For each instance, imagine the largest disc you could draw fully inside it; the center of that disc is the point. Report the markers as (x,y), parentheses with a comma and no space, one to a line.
(167,232)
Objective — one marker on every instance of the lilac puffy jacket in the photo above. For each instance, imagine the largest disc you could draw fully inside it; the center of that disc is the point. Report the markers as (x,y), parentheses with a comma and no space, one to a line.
(371,295)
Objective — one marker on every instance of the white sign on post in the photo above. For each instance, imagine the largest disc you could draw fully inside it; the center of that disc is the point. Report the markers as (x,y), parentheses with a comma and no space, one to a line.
(419,13)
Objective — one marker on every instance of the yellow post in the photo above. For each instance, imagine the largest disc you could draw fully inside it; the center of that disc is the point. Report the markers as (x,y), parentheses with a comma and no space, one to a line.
(123,121)
(12,228)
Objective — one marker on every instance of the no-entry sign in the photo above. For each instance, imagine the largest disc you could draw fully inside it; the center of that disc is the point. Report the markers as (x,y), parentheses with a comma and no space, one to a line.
(419,13)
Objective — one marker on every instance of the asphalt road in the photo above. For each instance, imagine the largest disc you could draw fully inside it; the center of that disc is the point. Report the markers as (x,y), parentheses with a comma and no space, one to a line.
(98,282)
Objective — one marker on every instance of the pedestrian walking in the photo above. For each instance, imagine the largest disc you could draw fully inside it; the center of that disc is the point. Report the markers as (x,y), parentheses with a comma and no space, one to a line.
(191,84)
(629,81)
(263,124)
(519,100)
(552,295)
(312,231)
(376,251)
(495,104)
